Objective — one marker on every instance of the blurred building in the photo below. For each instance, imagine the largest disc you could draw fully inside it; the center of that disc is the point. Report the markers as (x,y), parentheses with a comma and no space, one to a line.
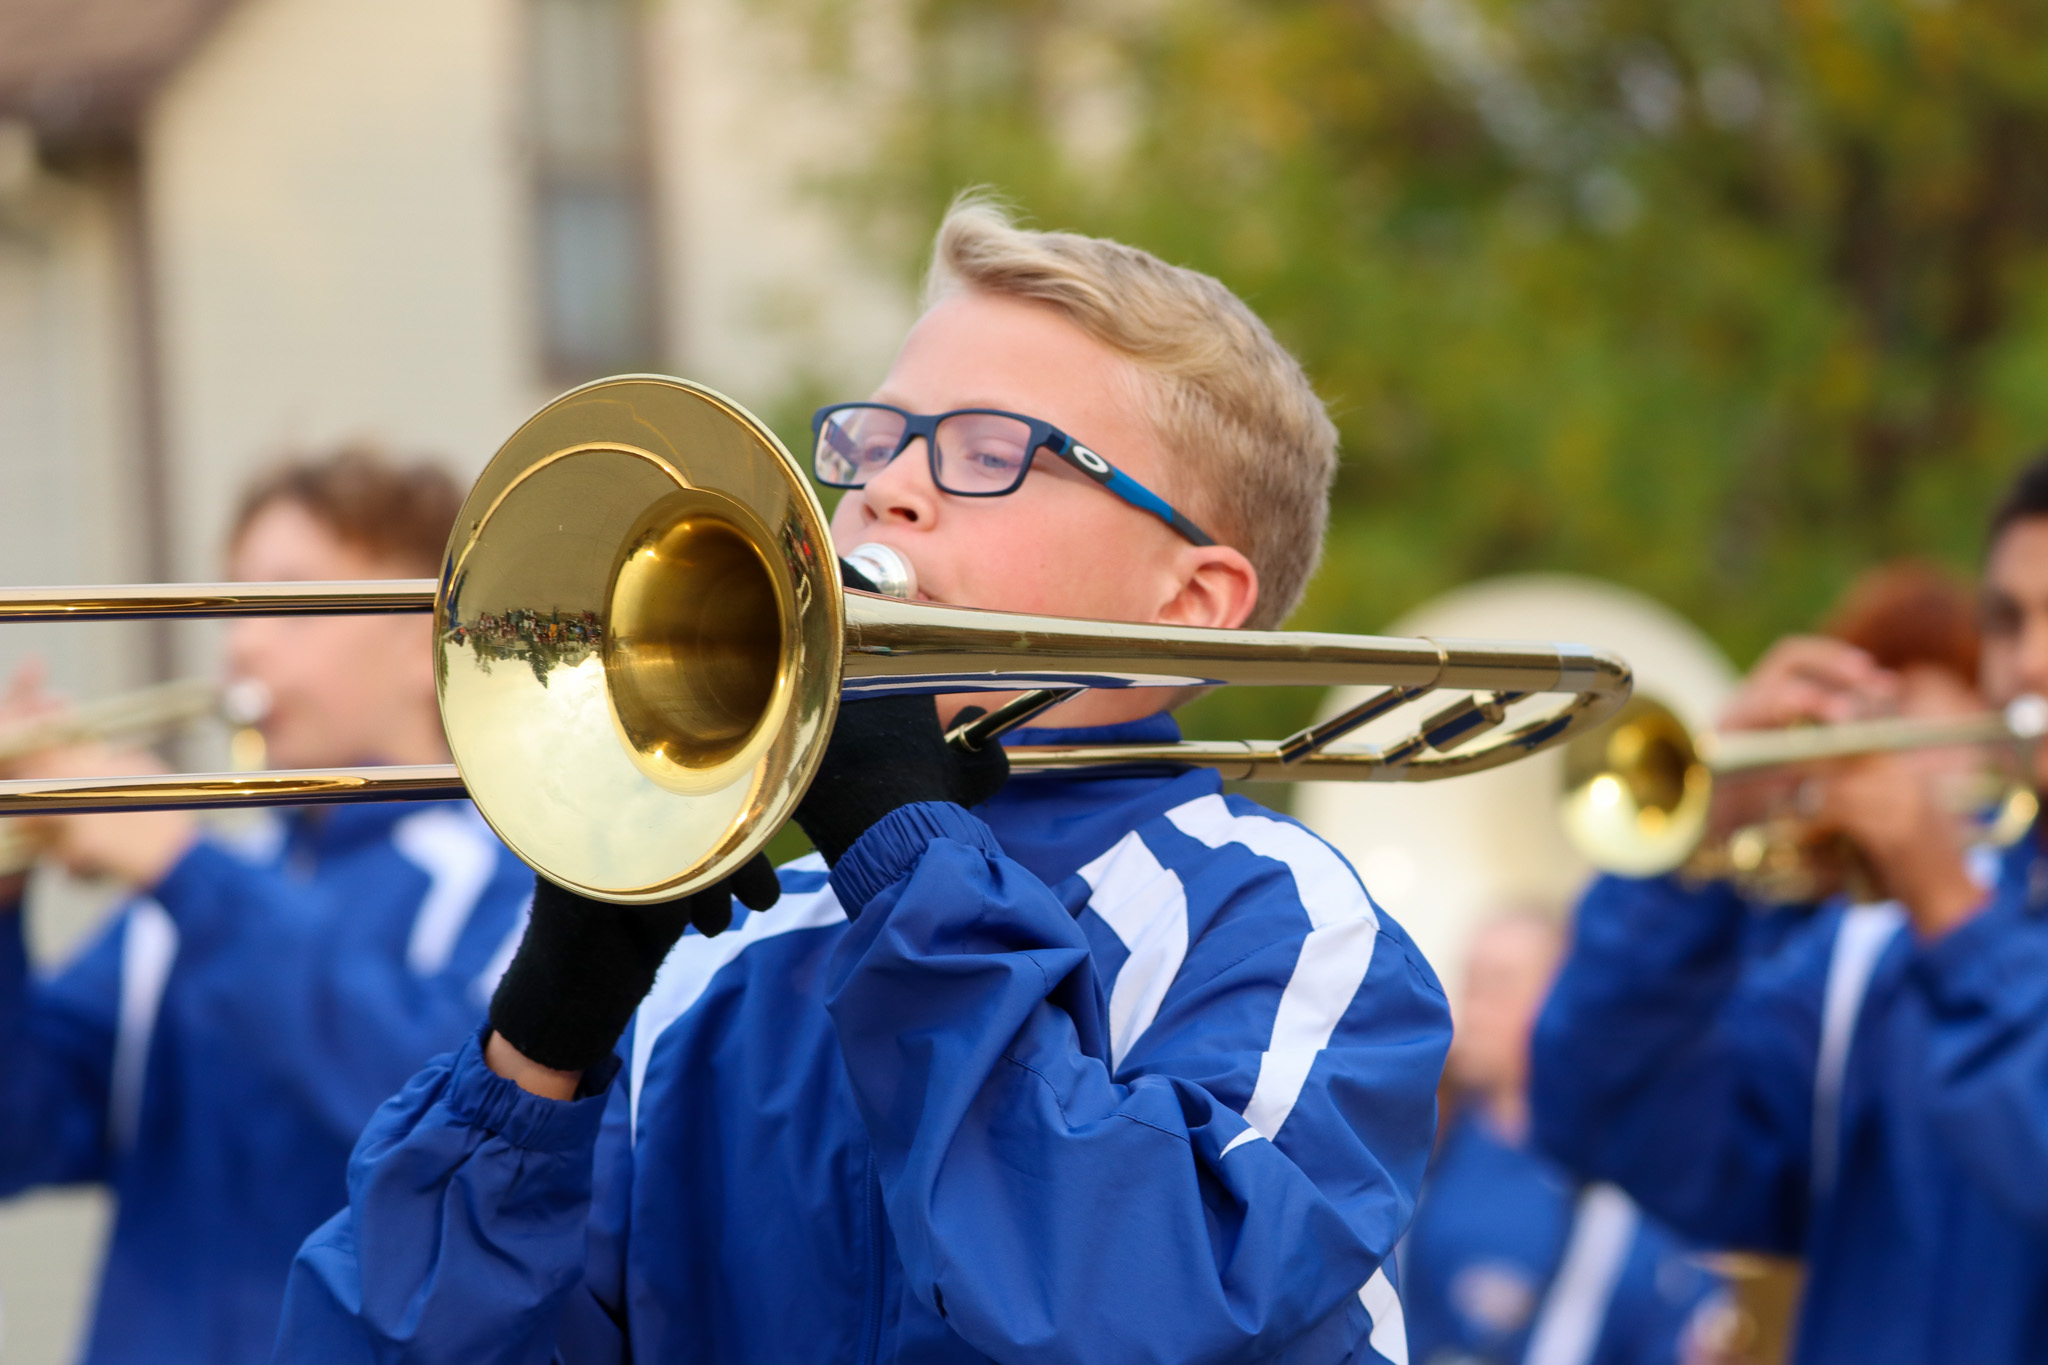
(233,227)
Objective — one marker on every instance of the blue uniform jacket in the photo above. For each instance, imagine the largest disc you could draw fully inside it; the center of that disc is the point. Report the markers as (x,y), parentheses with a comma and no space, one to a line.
(1505,1241)
(213,1054)
(1118,1069)
(1876,1104)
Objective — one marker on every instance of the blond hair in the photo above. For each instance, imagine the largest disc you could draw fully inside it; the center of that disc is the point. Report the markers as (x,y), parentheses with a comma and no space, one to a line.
(1227,399)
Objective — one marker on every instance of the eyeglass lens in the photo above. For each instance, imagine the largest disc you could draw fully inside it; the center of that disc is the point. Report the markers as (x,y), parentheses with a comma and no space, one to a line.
(978,452)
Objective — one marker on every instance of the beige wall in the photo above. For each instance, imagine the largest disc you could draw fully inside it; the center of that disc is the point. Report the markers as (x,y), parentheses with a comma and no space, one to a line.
(67,510)
(338,206)
(767,290)
(341,222)
(65,443)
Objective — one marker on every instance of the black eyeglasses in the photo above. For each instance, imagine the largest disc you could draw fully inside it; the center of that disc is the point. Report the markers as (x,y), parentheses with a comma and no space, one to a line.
(974,453)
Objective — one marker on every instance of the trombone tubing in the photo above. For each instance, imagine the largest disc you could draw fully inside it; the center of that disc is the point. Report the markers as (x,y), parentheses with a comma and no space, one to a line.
(939,648)
(214,791)
(156,601)
(1236,760)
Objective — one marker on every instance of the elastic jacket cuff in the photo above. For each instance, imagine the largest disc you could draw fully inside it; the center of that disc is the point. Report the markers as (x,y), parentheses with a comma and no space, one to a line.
(890,849)
(484,1099)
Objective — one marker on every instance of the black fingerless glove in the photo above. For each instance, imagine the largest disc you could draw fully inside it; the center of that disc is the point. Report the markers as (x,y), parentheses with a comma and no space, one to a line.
(585,965)
(887,753)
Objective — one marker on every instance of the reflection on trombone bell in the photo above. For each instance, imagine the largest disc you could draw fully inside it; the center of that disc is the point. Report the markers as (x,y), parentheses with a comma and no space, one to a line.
(1638,793)
(143,714)
(660,569)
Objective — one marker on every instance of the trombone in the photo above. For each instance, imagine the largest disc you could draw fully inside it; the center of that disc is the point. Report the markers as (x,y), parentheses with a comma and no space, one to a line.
(1637,792)
(641,643)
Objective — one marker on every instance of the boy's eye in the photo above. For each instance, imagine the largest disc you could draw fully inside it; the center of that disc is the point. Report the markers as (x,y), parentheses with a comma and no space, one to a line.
(990,458)
(983,451)
(858,446)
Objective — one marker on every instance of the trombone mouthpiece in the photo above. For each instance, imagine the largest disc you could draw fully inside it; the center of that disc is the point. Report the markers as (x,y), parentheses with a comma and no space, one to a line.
(887,569)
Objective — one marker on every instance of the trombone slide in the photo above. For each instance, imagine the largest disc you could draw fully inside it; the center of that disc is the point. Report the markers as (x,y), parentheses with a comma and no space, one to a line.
(641,642)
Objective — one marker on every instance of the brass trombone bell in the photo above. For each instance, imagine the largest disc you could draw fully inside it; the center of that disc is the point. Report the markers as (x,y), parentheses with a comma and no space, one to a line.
(641,642)
(1637,791)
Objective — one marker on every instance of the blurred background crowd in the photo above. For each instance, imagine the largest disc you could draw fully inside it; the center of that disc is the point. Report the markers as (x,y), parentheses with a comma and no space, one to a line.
(1719,302)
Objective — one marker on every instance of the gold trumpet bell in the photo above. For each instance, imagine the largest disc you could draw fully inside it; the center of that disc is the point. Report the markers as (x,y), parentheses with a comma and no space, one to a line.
(1636,791)
(639,603)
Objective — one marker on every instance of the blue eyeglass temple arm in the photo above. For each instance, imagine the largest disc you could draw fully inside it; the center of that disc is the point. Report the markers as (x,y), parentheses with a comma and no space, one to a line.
(1128,488)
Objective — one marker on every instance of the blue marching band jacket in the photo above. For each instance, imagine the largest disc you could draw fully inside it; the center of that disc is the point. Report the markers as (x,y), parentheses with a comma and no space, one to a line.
(1116,1068)
(1875,1104)
(1512,1262)
(213,1053)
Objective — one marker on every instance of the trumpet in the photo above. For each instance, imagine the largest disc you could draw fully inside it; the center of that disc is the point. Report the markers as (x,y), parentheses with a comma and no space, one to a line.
(145,710)
(1637,793)
(129,715)
(641,643)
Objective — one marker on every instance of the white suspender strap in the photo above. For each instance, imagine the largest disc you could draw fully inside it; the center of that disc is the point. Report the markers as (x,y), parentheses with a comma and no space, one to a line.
(1860,941)
(149,945)
(1567,1329)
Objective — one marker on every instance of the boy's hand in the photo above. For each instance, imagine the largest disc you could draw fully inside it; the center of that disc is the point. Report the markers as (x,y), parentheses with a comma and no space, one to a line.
(135,848)
(1802,679)
(1894,813)
(25,701)
(888,753)
(585,965)
(1806,678)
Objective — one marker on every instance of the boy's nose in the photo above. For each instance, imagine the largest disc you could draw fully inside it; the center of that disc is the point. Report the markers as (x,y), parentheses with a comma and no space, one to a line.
(903,490)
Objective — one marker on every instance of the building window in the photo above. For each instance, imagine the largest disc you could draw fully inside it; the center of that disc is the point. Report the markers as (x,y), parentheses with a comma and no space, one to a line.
(594,244)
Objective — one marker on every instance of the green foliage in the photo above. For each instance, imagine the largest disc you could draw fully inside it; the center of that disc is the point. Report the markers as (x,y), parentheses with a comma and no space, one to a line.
(1720,300)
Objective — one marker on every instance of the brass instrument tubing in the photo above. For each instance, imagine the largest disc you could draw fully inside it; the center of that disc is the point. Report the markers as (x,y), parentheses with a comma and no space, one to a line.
(1017,711)
(152,601)
(926,648)
(167,704)
(1304,742)
(1236,760)
(1735,751)
(202,791)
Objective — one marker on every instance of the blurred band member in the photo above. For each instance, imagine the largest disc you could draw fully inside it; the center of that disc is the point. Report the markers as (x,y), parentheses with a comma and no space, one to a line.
(212,1053)
(1509,1260)
(1872,1093)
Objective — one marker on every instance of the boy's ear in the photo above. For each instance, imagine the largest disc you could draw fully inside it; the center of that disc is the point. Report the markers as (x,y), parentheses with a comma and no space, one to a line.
(1218,587)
